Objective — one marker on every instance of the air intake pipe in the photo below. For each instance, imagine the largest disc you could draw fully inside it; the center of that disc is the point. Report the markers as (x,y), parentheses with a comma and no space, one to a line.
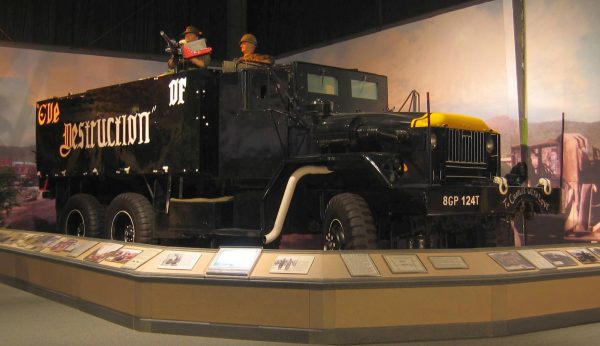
(287,199)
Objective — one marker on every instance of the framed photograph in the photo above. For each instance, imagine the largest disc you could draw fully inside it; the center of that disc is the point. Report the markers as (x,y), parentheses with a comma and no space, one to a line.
(583,255)
(292,264)
(80,247)
(511,261)
(558,258)
(595,250)
(28,241)
(360,264)
(145,256)
(102,252)
(180,260)
(402,264)
(234,261)
(448,262)
(43,242)
(539,261)
(63,245)
(5,237)
(122,255)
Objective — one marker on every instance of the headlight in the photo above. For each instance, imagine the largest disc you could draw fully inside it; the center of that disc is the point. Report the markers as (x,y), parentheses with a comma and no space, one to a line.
(433,141)
(490,145)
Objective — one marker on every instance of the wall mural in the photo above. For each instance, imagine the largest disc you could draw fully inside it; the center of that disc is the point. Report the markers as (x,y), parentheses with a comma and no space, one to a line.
(464,59)
(28,76)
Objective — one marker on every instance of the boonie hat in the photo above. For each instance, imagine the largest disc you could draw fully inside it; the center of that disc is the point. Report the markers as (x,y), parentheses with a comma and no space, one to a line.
(249,38)
(190,29)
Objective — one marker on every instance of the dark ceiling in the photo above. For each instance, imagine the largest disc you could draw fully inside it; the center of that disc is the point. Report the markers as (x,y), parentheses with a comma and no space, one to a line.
(282,26)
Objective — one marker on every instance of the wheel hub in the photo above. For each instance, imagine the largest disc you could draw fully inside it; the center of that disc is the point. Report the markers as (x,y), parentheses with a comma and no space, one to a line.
(123,227)
(75,225)
(334,237)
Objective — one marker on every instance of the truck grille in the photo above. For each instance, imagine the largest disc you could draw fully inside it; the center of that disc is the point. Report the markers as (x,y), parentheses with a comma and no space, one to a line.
(466,147)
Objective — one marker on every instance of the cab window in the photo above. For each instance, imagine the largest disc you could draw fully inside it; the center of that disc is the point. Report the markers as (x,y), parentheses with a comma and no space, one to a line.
(364,90)
(322,84)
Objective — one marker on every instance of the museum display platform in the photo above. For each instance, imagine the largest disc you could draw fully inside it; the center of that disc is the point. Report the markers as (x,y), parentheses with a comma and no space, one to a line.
(310,296)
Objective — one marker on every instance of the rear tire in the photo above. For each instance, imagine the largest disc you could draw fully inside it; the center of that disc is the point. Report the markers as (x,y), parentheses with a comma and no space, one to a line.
(348,224)
(82,216)
(130,218)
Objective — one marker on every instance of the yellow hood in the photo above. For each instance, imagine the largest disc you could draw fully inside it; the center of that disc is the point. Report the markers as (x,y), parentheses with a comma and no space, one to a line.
(453,121)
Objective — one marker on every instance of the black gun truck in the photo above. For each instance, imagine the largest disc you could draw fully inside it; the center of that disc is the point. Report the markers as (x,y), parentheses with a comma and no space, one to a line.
(255,153)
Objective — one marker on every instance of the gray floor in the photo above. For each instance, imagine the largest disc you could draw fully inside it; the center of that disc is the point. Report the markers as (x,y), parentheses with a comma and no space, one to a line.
(27,319)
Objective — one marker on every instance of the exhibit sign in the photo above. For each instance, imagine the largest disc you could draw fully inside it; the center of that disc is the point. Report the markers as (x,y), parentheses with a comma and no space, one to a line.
(539,261)
(80,247)
(511,261)
(448,262)
(403,264)
(360,264)
(558,258)
(234,261)
(143,257)
(179,260)
(64,245)
(583,255)
(292,264)
(102,252)
(123,255)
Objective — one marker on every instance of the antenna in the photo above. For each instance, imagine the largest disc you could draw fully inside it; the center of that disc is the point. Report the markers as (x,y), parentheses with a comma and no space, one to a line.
(429,141)
(562,149)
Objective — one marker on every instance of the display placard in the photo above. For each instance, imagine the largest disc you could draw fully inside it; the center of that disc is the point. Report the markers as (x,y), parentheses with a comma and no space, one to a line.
(539,261)
(5,237)
(360,264)
(595,250)
(64,245)
(123,255)
(402,264)
(448,262)
(137,261)
(511,261)
(28,241)
(179,260)
(583,255)
(234,261)
(292,264)
(558,258)
(43,241)
(80,247)
(102,252)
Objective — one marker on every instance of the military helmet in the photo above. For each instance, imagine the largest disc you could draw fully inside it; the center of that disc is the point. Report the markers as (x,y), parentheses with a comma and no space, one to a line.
(249,38)
(190,29)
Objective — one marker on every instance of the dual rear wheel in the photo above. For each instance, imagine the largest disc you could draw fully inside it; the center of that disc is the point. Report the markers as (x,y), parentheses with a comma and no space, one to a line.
(129,217)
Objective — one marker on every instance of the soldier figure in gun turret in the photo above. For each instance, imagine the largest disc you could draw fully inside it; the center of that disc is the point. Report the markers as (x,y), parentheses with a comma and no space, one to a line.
(249,57)
(190,34)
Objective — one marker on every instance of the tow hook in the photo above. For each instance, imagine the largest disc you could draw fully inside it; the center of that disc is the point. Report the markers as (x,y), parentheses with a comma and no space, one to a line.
(502,185)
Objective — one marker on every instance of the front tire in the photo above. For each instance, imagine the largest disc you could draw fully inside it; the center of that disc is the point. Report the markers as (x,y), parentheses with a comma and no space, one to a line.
(82,216)
(348,224)
(130,218)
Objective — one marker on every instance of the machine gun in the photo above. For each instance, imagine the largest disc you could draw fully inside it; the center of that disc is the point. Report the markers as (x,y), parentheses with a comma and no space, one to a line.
(173,48)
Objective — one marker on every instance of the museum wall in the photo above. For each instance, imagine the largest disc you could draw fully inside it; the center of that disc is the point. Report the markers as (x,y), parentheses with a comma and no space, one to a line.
(465,59)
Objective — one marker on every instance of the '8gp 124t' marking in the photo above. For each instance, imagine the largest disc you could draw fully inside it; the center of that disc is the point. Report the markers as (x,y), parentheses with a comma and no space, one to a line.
(455,200)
